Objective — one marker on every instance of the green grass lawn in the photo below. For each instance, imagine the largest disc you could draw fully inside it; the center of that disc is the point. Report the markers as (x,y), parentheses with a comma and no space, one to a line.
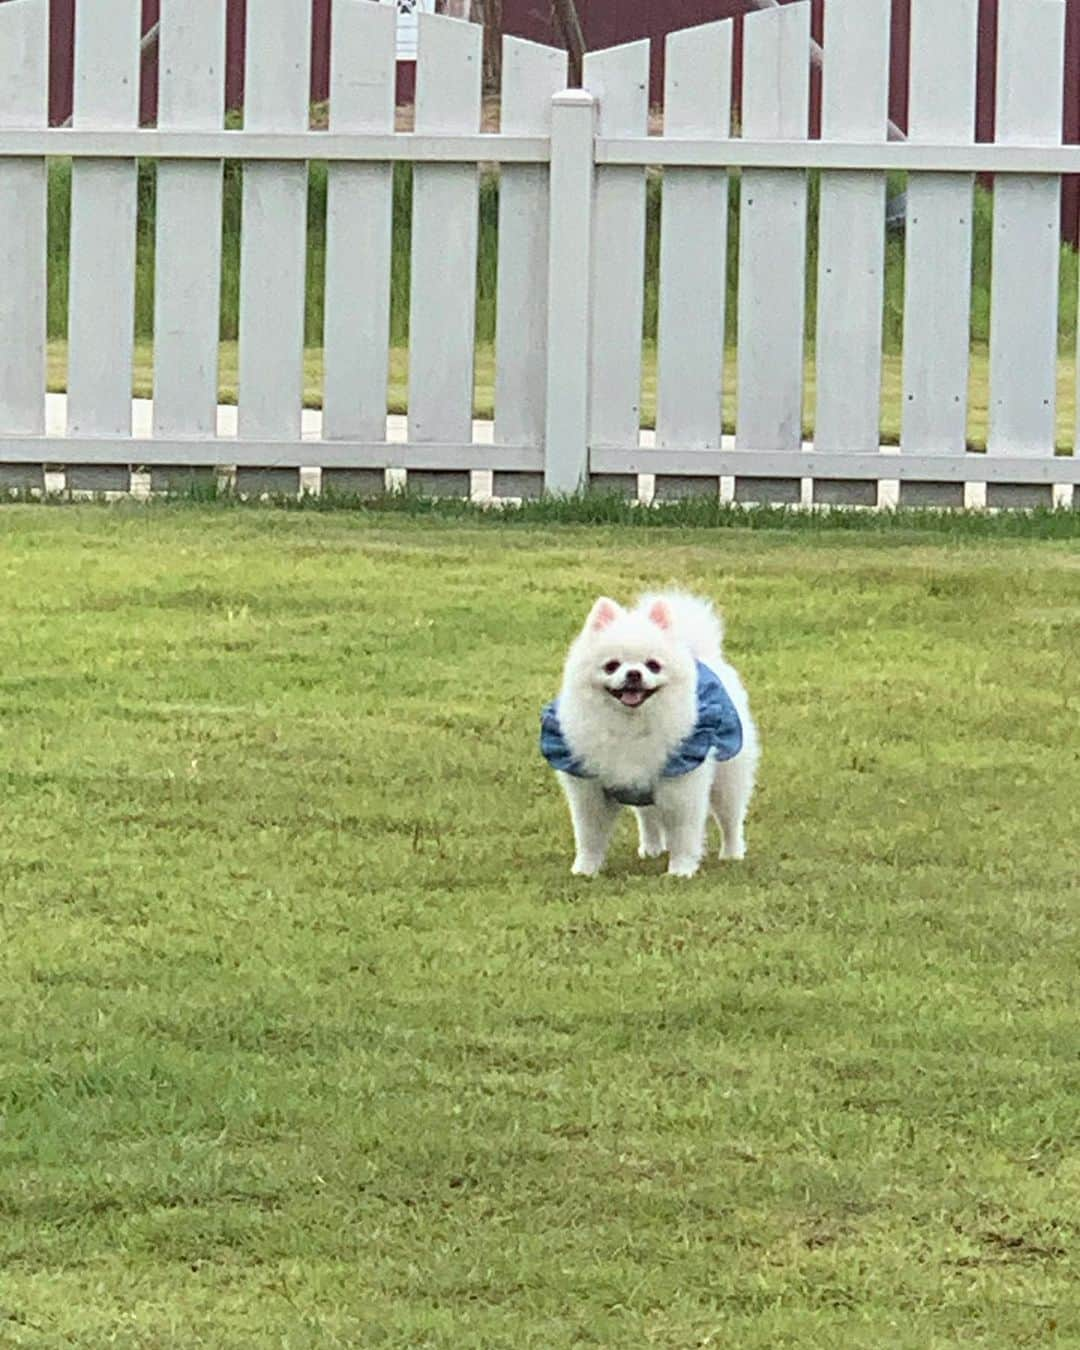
(398,391)
(309,1039)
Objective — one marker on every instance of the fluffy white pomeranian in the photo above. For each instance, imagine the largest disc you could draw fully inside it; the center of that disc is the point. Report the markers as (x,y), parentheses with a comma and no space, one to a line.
(650,715)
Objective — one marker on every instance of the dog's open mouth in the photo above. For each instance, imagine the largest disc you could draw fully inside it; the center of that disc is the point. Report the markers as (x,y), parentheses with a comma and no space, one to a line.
(632,696)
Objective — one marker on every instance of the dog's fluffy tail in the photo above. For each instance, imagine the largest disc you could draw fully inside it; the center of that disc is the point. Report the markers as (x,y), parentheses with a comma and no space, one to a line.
(695,622)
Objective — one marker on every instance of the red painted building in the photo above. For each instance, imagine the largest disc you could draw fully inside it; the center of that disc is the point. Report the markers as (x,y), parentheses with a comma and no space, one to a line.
(605,23)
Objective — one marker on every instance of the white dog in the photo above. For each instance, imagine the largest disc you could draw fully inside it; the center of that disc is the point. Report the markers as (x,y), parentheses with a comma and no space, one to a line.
(650,715)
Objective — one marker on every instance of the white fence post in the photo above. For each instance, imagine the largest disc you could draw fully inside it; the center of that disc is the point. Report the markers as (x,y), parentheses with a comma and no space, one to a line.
(569,332)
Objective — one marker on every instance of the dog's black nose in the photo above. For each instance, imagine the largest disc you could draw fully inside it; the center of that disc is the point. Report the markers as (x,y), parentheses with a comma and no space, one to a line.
(633,677)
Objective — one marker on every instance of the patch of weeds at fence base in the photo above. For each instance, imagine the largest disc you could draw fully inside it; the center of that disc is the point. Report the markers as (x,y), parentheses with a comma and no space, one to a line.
(608,509)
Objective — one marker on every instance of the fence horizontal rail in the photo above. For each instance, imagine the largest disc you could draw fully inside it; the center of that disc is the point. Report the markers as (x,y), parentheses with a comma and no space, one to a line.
(661,151)
(484,147)
(269,454)
(909,468)
(745,463)
(488,147)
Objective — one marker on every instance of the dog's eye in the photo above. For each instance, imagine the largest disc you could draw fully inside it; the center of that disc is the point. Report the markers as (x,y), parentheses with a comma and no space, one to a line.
(611,668)
(653,666)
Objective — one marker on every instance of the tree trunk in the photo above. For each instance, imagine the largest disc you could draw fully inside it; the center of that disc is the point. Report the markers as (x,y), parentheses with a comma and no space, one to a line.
(493,32)
(568,26)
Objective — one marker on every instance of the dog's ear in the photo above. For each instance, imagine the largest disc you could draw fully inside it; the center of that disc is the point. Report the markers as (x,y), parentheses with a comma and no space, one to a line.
(660,614)
(602,615)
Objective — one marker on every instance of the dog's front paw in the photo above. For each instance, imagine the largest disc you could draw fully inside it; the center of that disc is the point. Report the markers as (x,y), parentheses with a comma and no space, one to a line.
(586,867)
(683,867)
(653,849)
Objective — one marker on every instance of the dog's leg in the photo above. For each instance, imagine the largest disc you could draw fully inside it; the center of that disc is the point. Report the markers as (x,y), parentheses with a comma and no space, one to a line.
(731,792)
(651,841)
(593,814)
(684,810)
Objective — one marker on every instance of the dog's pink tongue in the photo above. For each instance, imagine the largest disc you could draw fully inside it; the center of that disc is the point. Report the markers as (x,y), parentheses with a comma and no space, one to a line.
(632,698)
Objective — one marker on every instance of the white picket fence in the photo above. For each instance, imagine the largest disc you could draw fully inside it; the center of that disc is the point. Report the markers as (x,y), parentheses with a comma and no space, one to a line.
(571,244)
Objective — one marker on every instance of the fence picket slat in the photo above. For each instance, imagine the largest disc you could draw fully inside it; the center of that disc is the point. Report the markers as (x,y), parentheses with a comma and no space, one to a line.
(359,232)
(851,232)
(531,76)
(619,80)
(187,282)
(937,298)
(569,307)
(442,315)
(101,296)
(693,245)
(23,186)
(1027,214)
(772,247)
(274,240)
